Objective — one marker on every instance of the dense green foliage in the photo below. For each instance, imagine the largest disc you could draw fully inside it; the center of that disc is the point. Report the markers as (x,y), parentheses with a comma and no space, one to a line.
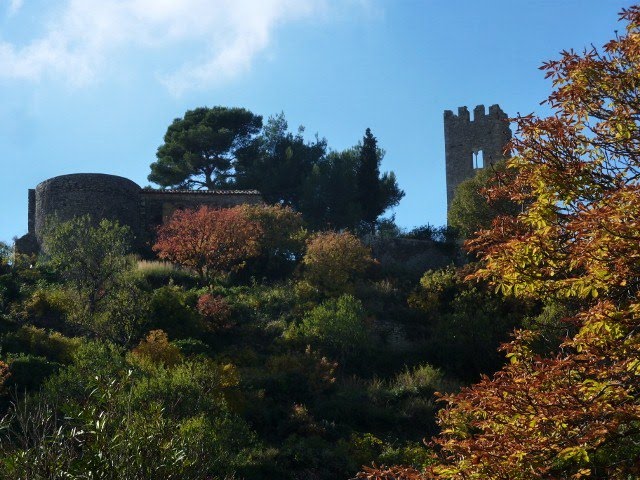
(5,256)
(223,147)
(199,149)
(471,210)
(375,194)
(88,258)
(278,162)
(112,367)
(337,324)
(465,322)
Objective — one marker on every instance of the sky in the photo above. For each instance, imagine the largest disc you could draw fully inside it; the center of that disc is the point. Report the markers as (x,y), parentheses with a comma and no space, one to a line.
(92,85)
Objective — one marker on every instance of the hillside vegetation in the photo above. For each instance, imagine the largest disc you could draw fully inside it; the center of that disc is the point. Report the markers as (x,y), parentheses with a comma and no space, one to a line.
(307,338)
(256,349)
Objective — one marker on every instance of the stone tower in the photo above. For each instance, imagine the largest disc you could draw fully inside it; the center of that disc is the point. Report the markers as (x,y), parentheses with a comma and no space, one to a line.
(473,144)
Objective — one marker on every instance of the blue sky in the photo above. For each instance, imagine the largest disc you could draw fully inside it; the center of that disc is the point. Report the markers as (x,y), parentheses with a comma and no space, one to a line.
(91,85)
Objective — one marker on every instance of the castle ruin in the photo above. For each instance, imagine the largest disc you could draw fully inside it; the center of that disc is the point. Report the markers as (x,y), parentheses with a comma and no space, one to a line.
(115,198)
(473,144)
(469,145)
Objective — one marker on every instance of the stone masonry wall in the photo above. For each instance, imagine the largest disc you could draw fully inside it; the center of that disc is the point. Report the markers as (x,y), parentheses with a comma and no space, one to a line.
(463,137)
(115,198)
(157,206)
(95,194)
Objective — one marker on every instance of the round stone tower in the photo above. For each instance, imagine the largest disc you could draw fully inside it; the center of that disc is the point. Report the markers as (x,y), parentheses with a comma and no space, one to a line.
(95,194)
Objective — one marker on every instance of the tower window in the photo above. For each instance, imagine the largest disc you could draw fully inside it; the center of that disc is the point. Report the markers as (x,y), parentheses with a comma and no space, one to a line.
(478,159)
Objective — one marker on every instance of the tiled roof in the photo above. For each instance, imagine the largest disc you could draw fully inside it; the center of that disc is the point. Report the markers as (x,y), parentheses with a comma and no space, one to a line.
(204,192)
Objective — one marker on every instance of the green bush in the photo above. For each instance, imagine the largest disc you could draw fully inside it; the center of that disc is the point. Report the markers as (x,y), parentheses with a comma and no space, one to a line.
(98,438)
(90,257)
(28,372)
(413,454)
(94,362)
(337,325)
(109,418)
(422,379)
(192,346)
(123,314)
(190,388)
(302,455)
(353,404)
(50,306)
(411,395)
(173,310)
(464,323)
(9,291)
(263,303)
(297,377)
(363,449)
(39,342)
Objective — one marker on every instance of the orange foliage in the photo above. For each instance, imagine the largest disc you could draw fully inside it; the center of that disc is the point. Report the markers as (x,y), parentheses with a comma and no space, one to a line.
(574,414)
(210,241)
(4,374)
(390,473)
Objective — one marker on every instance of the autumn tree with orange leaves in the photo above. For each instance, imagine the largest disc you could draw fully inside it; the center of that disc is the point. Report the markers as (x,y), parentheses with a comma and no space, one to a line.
(209,241)
(575,413)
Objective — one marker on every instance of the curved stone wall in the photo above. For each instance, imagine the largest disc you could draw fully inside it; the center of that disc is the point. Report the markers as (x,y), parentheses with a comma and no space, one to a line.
(116,198)
(95,194)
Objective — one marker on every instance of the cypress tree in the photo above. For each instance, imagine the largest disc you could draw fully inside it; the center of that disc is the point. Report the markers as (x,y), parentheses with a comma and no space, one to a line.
(368,179)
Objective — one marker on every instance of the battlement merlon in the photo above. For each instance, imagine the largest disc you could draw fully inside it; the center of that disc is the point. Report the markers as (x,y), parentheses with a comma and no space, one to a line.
(496,111)
(478,112)
(463,114)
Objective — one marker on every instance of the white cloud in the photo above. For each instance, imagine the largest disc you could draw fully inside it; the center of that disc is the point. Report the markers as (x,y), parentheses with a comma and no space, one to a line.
(83,35)
(14,6)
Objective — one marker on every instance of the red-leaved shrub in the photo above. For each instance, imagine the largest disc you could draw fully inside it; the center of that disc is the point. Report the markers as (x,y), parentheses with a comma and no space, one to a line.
(216,311)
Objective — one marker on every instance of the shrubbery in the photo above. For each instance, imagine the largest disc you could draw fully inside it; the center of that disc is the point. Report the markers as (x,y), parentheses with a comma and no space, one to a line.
(311,368)
(337,325)
(155,348)
(173,310)
(464,323)
(334,261)
(216,312)
(127,424)
(28,372)
(38,341)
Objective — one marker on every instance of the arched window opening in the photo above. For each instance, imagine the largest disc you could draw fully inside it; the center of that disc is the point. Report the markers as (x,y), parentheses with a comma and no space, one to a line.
(478,159)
